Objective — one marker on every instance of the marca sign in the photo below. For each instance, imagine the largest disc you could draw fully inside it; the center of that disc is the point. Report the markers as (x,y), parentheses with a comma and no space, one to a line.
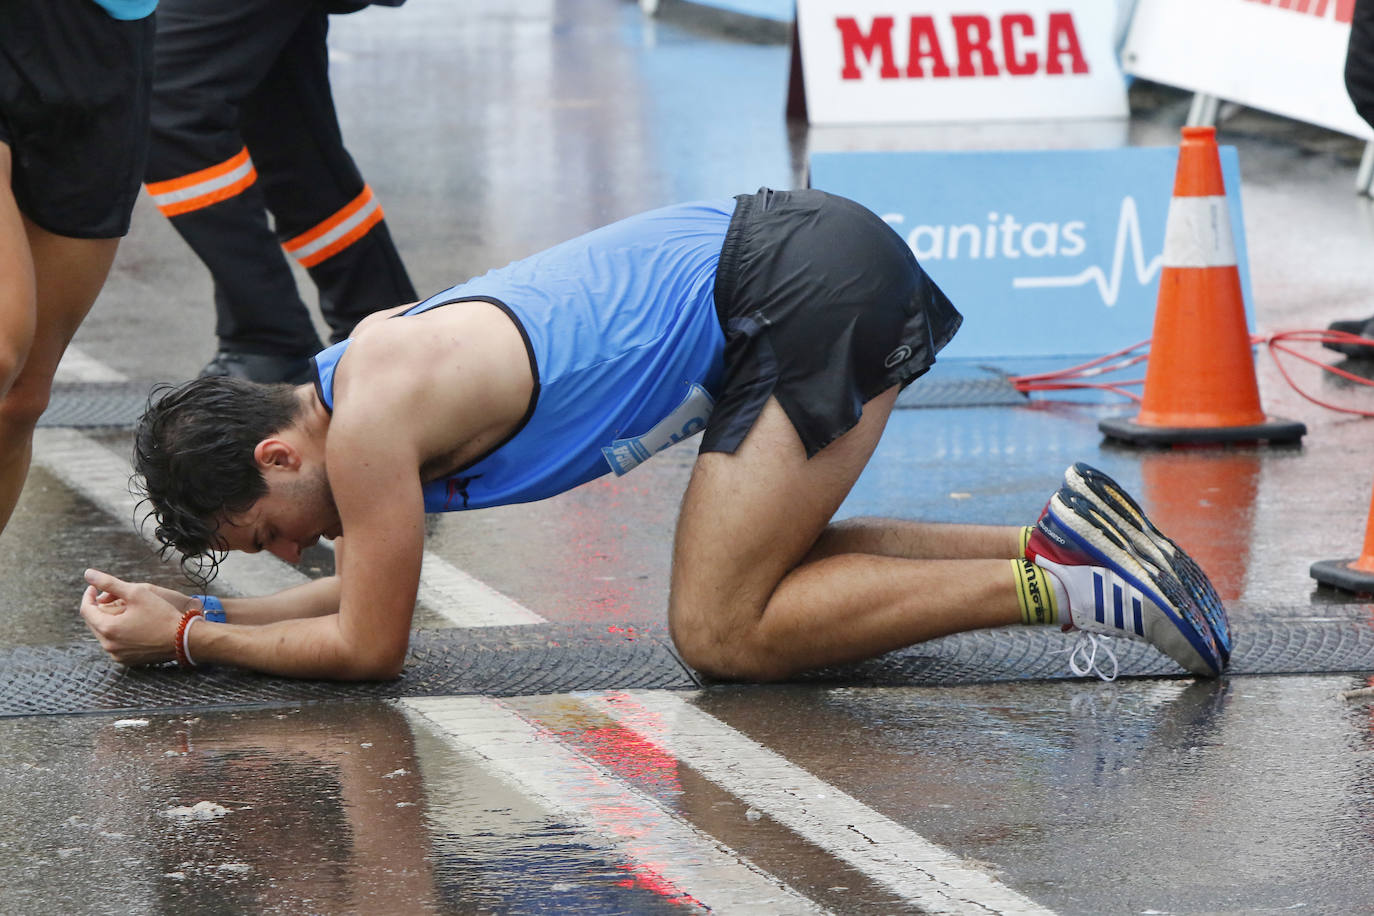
(890,61)
(1047,253)
(1284,56)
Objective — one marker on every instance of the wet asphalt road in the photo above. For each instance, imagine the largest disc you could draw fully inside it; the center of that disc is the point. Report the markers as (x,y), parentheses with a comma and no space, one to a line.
(490,130)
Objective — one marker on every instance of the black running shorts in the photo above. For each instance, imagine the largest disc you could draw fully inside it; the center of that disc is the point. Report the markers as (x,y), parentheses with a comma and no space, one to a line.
(74,88)
(824,307)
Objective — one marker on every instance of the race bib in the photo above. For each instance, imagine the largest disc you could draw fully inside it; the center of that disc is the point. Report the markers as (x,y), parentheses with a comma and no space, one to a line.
(686,420)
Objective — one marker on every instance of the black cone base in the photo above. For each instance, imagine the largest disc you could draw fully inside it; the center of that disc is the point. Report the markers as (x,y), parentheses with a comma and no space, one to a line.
(1274,430)
(1338,574)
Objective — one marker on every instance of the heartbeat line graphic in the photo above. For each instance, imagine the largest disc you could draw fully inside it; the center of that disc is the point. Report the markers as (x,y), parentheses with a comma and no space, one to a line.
(1109,288)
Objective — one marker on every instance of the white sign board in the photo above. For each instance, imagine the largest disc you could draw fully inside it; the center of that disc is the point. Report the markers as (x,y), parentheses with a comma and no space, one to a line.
(1284,56)
(905,62)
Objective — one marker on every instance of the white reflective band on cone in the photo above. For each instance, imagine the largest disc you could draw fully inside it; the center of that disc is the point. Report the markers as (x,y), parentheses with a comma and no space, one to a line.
(1198,233)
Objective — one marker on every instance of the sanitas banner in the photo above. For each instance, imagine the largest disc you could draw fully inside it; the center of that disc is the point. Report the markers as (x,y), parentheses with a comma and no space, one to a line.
(1283,56)
(1049,253)
(897,61)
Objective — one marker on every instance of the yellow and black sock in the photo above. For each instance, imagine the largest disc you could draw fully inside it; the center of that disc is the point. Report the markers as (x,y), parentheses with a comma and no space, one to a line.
(1035,590)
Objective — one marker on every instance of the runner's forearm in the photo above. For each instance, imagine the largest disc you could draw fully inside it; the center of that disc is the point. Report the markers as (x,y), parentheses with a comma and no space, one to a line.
(314,647)
(317,598)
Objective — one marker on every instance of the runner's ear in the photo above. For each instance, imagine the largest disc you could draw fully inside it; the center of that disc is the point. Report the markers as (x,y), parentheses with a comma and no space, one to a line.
(278,453)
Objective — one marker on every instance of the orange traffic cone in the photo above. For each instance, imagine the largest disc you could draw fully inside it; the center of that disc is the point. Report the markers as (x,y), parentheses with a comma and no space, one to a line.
(1355,575)
(1200,379)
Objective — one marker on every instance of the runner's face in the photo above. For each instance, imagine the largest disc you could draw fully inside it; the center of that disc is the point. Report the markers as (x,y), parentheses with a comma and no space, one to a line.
(294,514)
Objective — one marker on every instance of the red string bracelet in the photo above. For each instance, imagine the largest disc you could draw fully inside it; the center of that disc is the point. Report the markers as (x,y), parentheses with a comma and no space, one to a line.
(184,660)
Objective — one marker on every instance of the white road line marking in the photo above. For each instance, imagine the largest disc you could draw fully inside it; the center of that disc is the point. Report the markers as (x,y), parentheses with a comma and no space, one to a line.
(77,366)
(103,478)
(464,599)
(901,859)
(535,763)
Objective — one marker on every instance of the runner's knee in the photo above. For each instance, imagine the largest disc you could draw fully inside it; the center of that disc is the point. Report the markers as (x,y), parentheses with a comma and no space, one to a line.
(24,403)
(11,361)
(730,660)
(728,652)
(18,308)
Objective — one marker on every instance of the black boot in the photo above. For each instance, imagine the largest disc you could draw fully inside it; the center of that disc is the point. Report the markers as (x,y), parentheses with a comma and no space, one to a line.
(260,367)
(1364,327)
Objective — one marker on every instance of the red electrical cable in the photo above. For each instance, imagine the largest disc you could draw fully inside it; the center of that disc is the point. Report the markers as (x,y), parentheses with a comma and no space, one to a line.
(1277,344)
(1072,377)
(1068,379)
(1079,369)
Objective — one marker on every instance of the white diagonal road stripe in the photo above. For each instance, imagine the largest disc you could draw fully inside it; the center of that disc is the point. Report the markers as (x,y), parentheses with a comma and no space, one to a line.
(533,761)
(897,857)
(464,599)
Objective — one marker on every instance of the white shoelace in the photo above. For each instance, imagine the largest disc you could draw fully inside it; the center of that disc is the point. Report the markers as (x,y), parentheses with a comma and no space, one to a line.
(1083,655)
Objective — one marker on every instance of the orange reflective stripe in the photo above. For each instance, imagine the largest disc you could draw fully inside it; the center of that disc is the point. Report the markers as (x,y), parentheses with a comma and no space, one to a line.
(205,187)
(338,232)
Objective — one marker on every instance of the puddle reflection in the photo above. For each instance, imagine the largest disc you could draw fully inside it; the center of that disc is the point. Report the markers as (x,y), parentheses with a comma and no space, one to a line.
(300,810)
(1205,500)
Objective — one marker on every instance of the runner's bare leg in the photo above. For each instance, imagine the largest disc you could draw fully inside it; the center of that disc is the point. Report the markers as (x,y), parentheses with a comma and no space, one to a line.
(750,599)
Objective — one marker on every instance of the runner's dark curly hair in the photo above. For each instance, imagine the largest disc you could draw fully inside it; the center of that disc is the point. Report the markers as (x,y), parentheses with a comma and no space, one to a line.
(193,461)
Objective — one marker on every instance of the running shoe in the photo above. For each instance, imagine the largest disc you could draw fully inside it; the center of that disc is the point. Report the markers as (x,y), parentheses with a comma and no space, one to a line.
(1114,591)
(1110,499)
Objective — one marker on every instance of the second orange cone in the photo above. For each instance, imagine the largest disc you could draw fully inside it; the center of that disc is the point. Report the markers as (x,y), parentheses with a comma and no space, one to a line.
(1200,384)
(1351,575)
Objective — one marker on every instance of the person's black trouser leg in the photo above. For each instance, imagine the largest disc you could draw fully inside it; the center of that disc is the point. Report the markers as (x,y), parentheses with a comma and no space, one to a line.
(1359,83)
(326,215)
(1359,60)
(243,121)
(210,56)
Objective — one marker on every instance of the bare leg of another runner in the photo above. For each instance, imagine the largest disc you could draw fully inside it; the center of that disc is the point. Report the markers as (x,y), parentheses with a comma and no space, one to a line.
(763,586)
(18,299)
(66,275)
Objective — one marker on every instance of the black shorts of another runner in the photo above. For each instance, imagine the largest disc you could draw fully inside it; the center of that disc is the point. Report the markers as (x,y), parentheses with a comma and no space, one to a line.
(74,91)
(824,307)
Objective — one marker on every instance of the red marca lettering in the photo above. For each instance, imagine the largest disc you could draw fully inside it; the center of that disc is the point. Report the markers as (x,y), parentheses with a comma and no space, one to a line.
(1344,9)
(981,48)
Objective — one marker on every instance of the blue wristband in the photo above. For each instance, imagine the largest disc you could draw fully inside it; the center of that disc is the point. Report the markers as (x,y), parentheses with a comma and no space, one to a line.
(214,608)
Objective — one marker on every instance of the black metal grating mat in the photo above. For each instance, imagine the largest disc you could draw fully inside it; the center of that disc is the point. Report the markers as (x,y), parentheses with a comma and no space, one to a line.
(497,661)
(525,661)
(1272,646)
(95,405)
(961,390)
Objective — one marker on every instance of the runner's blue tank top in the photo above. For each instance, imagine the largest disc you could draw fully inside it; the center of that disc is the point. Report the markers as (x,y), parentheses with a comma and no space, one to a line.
(624,342)
(128,9)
